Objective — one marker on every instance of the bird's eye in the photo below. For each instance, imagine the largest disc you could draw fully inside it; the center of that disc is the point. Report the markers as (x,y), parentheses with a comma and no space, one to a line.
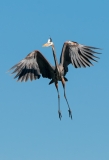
(48,40)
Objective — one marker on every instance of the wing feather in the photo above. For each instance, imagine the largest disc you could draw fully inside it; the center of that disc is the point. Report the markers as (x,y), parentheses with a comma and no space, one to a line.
(32,66)
(78,55)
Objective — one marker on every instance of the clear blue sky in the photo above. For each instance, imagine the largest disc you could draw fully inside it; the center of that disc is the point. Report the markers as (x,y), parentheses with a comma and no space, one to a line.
(29,125)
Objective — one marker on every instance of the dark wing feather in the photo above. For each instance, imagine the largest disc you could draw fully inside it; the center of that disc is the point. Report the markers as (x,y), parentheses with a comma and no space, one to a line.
(32,66)
(77,54)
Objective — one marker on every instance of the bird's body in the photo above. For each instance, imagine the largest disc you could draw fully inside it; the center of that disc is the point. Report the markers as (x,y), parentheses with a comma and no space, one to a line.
(36,64)
(58,73)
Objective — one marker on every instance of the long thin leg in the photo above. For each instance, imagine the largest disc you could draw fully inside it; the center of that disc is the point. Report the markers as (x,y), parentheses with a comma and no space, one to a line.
(59,112)
(69,110)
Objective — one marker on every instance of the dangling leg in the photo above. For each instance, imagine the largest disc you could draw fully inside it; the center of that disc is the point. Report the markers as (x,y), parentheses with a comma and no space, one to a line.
(69,110)
(59,112)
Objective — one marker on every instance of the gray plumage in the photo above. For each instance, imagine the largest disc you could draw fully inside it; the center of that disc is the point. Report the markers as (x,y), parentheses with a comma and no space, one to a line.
(32,66)
(35,64)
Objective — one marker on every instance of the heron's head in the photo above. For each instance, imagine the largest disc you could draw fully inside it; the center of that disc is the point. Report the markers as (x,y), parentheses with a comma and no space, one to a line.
(49,43)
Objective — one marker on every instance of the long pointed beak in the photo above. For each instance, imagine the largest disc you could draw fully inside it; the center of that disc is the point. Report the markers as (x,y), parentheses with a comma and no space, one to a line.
(45,45)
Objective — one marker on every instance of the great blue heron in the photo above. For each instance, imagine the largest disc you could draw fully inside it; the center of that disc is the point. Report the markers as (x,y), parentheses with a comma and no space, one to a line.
(35,64)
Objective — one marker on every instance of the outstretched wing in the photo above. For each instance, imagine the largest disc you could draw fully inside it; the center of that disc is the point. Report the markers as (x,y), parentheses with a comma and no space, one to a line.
(77,54)
(32,66)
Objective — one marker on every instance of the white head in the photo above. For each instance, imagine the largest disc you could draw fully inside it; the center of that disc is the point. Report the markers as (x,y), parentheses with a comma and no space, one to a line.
(49,43)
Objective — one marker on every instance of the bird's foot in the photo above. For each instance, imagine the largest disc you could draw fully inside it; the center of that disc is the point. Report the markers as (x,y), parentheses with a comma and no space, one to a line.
(60,115)
(70,113)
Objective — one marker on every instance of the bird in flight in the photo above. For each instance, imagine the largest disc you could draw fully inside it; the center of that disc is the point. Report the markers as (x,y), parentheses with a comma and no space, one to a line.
(35,64)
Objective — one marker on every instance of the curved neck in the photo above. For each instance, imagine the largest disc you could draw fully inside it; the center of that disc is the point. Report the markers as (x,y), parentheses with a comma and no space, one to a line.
(54,55)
